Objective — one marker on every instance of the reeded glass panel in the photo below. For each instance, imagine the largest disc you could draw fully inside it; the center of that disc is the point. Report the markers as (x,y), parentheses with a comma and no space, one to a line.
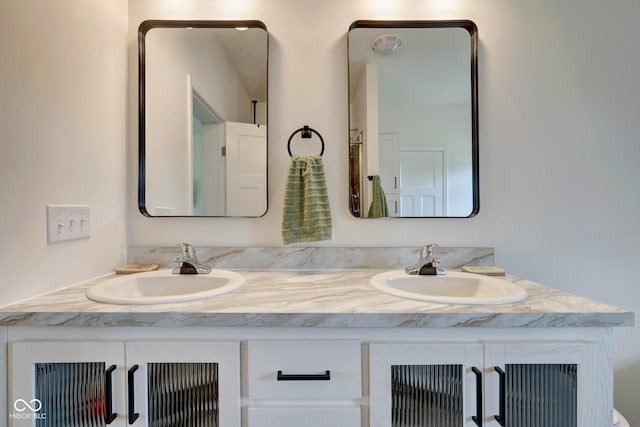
(70,394)
(426,396)
(183,394)
(541,395)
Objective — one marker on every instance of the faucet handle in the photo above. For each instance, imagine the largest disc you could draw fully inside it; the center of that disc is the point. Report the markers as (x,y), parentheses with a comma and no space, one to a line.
(427,251)
(187,250)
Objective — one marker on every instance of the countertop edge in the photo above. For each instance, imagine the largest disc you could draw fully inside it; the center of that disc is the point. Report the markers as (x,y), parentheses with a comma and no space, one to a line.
(319,320)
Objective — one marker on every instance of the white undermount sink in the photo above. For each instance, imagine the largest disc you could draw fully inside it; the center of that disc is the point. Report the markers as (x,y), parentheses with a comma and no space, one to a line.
(158,287)
(452,288)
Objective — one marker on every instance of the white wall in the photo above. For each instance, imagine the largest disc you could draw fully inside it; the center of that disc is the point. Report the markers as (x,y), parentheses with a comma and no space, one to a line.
(559,147)
(62,138)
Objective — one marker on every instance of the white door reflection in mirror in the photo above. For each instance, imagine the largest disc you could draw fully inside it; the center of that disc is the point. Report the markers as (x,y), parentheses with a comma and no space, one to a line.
(246,179)
(233,180)
(422,175)
(412,177)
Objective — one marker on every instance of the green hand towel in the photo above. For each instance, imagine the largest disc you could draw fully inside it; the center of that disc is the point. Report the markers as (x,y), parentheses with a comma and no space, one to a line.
(378,206)
(306,215)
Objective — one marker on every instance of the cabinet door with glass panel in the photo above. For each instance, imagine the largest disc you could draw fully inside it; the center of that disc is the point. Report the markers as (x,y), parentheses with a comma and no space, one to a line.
(485,385)
(79,383)
(426,385)
(546,384)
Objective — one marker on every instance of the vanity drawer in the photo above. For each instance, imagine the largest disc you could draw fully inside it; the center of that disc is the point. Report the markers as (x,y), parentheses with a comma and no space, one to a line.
(304,416)
(319,369)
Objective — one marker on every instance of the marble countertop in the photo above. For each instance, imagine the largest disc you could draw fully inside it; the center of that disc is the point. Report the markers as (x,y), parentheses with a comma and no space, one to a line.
(319,298)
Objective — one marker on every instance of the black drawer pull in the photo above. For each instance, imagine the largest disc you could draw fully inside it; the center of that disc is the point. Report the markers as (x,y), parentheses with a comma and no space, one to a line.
(304,377)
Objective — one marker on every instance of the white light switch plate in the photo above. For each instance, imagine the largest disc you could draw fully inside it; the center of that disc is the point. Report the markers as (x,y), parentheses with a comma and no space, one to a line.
(67,222)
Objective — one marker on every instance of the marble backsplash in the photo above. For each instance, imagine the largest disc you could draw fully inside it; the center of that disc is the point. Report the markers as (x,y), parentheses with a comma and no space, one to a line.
(312,257)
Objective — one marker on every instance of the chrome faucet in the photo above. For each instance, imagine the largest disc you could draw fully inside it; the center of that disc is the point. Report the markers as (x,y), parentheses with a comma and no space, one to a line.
(188,263)
(427,265)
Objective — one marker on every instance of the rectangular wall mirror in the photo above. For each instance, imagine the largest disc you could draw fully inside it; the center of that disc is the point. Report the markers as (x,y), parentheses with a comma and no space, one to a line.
(413,119)
(202,118)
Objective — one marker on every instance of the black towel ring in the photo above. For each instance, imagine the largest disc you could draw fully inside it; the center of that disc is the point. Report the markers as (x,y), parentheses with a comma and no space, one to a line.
(306,132)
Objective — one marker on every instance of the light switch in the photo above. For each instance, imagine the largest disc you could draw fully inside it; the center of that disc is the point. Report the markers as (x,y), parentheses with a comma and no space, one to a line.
(67,222)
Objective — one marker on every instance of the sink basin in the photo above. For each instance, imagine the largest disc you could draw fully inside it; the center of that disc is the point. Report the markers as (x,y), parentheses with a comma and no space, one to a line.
(451,288)
(158,287)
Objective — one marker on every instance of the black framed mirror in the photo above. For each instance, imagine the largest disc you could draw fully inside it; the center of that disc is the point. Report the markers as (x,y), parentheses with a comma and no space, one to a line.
(413,119)
(202,118)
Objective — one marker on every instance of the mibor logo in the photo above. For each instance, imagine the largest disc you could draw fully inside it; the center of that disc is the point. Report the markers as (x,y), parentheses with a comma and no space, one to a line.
(22,405)
(27,410)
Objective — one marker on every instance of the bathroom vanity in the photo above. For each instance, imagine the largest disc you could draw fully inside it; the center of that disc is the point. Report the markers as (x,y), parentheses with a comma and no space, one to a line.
(311,347)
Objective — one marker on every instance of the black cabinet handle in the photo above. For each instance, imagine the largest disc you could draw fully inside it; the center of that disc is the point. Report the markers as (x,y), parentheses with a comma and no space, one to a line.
(477,418)
(133,416)
(110,416)
(304,377)
(501,417)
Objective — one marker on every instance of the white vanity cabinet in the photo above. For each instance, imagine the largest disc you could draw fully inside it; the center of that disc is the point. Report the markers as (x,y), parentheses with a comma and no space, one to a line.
(311,377)
(486,384)
(315,383)
(119,383)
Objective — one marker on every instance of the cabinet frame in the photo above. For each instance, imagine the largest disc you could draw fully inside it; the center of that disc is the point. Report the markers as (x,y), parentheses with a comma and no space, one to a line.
(4,376)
